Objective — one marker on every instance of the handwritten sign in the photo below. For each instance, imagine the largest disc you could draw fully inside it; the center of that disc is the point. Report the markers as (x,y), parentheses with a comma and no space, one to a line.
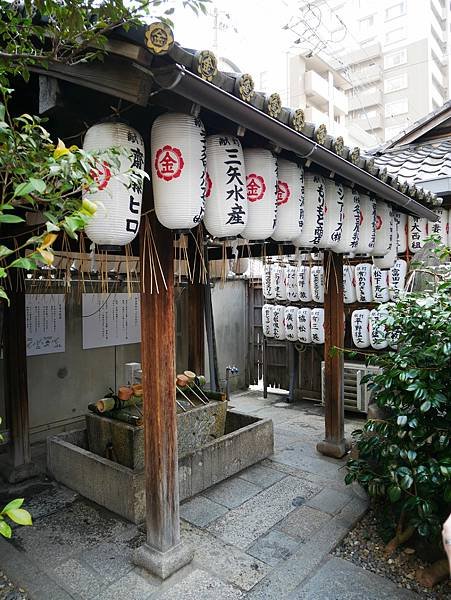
(45,320)
(110,320)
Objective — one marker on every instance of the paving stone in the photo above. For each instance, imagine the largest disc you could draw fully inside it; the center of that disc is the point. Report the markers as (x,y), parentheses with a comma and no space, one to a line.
(111,560)
(261,476)
(201,511)
(52,500)
(131,587)
(76,577)
(278,415)
(274,547)
(303,522)
(329,500)
(339,579)
(295,457)
(232,492)
(199,585)
(225,561)
(353,511)
(285,439)
(243,525)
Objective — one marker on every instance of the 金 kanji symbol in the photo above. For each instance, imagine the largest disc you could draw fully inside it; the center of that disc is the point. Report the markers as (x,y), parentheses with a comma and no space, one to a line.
(256,187)
(283,192)
(168,163)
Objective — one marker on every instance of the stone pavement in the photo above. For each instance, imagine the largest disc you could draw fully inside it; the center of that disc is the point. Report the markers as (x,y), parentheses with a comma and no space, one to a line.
(264,534)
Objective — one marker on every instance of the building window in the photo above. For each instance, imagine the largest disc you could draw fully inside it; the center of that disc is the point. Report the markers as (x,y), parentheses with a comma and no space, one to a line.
(395,35)
(396,10)
(393,84)
(399,107)
(395,59)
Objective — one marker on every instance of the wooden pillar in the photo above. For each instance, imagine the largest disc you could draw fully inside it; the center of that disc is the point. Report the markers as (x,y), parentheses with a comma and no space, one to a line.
(18,466)
(334,443)
(162,554)
(196,314)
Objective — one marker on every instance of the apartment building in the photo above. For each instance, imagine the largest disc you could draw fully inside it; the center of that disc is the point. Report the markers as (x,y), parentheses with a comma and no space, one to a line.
(394,54)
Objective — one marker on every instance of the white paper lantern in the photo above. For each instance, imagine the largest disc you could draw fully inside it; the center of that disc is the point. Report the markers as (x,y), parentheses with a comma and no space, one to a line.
(397,278)
(400,222)
(317,325)
(278,319)
(379,284)
(304,290)
(267,320)
(179,159)
(290,201)
(269,282)
(333,214)
(292,283)
(349,287)
(367,232)
(118,215)
(378,337)
(239,266)
(225,197)
(351,223)
(384,229)
(416,232)
(291,333)
(363,282)
(313,227)
(281,282)
(360,328)
(304,325)
(261,185)
(439,227)
(317,283)
(387,260)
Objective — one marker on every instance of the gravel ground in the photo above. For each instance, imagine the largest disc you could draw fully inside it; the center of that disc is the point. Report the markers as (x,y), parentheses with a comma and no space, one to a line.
(364,547)
(8,591)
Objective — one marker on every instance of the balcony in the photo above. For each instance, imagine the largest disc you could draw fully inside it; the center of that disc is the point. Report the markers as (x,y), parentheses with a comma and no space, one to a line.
(373,122)
(366,75)
(316,87)
(362,55)
(340,102)
(365,99)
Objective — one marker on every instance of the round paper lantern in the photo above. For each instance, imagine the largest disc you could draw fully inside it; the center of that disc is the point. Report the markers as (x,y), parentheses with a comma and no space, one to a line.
(416,232)
(261,188)
(290,201)
(291,333)
(281,282)
(313,227)
(278,319)
(349,239)
(378,338)
(317,284)
(317,325)
(379,284)
(179,159)
(239,266)
(360,328)
(304,326)
(367,232)
(304,290)
(267,320)
(439,227)
(118,215)
(400,223)
(333,214)
(349,288)
(292,283)
(397,278)
(387,260)
(225,197)
(384,229)
(363,282)
(269,282)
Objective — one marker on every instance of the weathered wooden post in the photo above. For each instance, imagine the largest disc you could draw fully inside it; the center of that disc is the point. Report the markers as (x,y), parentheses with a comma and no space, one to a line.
(334,444)
(163,553)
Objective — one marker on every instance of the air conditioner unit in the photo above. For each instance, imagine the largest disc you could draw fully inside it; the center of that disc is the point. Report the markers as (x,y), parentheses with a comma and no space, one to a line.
(356,393)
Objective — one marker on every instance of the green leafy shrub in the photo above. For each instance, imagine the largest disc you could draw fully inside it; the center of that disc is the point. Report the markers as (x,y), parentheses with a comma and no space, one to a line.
(404,459)
(13,511)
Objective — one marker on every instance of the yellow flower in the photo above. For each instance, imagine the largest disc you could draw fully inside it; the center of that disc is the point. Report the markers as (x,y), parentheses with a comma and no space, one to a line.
(60,150)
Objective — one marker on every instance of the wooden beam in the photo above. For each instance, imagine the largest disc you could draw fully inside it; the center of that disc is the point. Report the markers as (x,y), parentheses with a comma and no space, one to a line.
(334,443)
(162,554)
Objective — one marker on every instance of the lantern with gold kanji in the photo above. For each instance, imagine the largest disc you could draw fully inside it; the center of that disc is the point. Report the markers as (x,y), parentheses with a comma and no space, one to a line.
(290,201)
(118,215)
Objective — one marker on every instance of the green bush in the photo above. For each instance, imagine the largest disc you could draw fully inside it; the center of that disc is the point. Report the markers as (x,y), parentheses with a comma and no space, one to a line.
(404,459)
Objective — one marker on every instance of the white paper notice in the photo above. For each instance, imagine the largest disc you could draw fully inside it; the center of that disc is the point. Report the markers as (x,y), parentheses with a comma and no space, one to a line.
(45,319)
(111,320)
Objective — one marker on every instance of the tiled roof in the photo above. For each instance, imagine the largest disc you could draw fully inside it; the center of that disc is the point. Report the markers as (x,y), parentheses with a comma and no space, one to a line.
(418,162)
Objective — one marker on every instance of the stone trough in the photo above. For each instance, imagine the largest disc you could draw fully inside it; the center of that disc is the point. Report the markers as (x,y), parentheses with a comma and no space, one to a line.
(246,441)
